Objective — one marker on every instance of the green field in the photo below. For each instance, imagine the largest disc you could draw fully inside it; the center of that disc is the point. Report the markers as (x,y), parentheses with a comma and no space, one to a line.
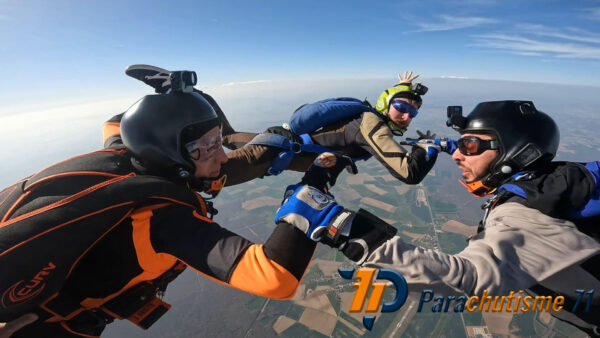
(452,243)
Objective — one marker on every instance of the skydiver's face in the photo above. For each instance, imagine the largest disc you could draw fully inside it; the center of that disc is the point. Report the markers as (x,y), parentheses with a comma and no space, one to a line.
(401,119)
(474,167)
(207,154)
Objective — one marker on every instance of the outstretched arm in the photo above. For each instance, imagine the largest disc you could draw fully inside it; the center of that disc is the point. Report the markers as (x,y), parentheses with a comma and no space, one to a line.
(519,247)
(273,269)
(376,138)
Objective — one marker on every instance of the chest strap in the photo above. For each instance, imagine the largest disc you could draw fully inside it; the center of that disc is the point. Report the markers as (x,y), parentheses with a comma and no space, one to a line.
(289,149)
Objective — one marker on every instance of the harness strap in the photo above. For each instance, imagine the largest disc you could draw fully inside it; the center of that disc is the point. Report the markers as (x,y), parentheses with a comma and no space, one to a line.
(290,148)
(310,146)
(284,158)
(141,305)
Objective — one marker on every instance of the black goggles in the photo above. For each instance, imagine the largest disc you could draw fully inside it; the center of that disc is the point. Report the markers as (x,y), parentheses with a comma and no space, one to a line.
(472,145)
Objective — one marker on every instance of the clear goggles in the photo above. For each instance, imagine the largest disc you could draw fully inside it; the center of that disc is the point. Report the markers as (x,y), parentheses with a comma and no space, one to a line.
(204,148)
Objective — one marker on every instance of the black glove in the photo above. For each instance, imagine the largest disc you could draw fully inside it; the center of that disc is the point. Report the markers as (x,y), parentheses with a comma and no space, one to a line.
(325,169)
(426,135)
(358,239)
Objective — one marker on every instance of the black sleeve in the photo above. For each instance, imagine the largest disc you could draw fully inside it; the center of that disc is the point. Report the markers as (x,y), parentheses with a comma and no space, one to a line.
(217,252)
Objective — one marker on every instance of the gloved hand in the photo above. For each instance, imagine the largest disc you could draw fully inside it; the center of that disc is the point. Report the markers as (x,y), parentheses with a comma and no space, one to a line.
(312,211)
(366,233)
(322,219)
(325,169)
(429,145)
(449,145)
(422,135)
(433,146)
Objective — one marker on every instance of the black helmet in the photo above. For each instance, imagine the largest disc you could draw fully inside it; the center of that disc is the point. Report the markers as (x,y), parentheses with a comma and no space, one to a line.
(527,137)
(151,129)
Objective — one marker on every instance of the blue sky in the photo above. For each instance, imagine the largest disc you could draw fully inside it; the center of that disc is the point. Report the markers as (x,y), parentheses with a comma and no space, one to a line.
(62,51)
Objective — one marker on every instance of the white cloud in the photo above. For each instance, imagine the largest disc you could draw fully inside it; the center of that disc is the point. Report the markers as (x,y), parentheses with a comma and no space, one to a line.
(518,44)
(529,53)
(578,35)
(243,83)
(454,77)
(451,22)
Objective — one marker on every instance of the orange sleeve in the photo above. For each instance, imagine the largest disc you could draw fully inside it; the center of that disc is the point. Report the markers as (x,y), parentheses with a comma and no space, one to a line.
(257,274)
(110,129)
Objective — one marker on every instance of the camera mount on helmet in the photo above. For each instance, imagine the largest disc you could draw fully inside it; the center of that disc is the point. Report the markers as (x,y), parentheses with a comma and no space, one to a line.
(183,81)
(456,120)
(419,88)
(163,81)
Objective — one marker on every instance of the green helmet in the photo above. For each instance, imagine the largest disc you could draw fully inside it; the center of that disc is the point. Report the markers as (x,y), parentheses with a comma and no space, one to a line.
(383,103)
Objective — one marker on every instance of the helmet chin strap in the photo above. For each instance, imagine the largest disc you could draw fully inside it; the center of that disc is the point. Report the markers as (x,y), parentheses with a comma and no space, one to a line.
(209,186)
(491,181)
(488,184)
(397,131)
(477,188)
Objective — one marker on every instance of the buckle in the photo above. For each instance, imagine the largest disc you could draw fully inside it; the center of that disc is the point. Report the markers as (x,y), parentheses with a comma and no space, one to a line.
(149,313)
(296,147)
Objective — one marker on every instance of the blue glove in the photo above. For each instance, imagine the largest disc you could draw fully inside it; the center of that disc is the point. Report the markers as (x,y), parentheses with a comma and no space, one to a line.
(449,145)
(428,144)
(322,219)
(313,212)
(433,146)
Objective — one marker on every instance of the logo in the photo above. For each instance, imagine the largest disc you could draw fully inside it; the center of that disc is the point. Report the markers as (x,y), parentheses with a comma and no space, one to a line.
(365,284)
(513,302)
(317,196)
(20,292)
(325,160)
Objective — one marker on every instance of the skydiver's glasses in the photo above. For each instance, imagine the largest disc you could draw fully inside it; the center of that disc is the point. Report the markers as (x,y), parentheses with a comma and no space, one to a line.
(472,145)
(204,148)
(405,108)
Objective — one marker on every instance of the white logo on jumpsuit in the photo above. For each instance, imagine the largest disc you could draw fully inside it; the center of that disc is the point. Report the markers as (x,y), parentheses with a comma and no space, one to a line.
(318,197)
